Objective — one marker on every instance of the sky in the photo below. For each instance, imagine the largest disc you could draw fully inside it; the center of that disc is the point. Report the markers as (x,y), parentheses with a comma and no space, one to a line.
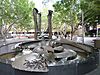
(40,4)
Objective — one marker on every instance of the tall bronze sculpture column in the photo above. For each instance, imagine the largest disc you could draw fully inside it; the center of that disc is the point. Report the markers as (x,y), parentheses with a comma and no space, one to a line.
(35,12)
(50,23)
(39,22)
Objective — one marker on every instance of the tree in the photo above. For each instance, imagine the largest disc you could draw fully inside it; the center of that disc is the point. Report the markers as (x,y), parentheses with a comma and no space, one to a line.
(91,11)
(67,11)
(24,9)
(15,12)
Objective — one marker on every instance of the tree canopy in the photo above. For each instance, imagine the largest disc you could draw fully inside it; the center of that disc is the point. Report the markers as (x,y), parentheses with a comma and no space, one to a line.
(70,11)
(16,12)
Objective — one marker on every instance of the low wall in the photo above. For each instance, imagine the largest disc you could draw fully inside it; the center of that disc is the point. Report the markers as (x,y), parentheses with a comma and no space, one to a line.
(77,68)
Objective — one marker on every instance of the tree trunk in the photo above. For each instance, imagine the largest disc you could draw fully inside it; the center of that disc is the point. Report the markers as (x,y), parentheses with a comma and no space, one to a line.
(72,31)
(3,35)
(83,28)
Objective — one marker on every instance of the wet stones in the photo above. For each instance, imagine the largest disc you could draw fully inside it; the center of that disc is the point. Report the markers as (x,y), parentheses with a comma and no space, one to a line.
(58,49)
(32,46)
(31,62)
(39,56)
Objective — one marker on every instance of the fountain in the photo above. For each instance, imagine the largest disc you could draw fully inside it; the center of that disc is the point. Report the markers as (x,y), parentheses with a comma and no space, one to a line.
(49,56)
